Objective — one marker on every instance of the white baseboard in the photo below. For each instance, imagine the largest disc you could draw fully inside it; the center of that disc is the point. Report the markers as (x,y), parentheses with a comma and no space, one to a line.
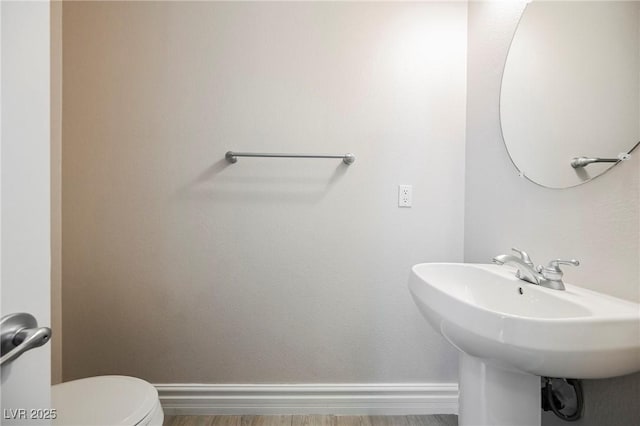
(339,399)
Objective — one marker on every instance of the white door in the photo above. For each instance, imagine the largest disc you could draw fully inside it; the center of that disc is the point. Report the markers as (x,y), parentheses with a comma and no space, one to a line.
(25,208)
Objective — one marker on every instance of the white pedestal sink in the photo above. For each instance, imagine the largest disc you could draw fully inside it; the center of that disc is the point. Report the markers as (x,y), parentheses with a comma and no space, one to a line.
(510,333)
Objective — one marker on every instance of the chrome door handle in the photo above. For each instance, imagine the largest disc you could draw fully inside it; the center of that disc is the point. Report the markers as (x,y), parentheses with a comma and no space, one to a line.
(19,333)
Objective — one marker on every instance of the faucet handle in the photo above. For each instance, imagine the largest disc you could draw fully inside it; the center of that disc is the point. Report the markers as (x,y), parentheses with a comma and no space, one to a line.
(523,255)
(556,263)
(553,271)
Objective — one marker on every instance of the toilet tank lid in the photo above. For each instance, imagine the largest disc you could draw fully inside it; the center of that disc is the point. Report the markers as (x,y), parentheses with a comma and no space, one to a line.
(103,401)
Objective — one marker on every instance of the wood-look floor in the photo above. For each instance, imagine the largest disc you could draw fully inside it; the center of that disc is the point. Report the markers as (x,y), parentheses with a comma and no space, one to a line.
(436,420)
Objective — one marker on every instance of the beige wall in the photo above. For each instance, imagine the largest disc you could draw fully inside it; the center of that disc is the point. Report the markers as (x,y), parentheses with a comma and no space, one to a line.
(598,223)
(178,267)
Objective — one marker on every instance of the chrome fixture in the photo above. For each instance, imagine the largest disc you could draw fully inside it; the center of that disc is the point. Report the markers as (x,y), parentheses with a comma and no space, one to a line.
(232,156)
(20,333)
(549,276)
(552,273)
(525,271)
(580,162)
(524,257)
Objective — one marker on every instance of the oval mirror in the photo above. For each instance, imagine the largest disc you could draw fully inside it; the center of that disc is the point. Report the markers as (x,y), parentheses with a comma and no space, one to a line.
(571,89)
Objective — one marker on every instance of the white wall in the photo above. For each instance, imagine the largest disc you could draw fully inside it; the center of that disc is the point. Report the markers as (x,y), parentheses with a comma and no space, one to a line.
(25,196)
(56,191)
(598,223)
(178,267)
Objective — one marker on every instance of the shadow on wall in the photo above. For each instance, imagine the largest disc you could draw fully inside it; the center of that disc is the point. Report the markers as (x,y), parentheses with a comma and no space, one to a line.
(269,186)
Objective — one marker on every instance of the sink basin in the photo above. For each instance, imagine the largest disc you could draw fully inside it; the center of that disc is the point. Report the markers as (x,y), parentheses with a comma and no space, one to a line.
(510,331)
(485,311)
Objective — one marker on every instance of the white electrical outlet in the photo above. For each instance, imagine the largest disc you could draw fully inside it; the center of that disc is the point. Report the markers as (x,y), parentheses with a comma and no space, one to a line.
(405,195)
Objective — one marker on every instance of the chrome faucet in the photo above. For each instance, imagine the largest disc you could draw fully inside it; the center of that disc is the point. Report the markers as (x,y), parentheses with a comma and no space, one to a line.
(549,276)
(523,263)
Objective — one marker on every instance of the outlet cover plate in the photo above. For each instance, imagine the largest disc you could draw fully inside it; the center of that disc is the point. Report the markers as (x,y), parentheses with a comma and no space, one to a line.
(405,195)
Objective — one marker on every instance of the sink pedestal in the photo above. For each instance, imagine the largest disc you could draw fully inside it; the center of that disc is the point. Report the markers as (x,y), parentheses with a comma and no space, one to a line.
(492,396)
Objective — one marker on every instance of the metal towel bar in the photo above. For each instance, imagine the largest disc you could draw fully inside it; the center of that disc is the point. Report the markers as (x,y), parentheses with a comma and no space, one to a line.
(232,156)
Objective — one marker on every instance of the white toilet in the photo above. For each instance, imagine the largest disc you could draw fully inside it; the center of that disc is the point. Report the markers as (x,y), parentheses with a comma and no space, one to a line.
(107,401)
